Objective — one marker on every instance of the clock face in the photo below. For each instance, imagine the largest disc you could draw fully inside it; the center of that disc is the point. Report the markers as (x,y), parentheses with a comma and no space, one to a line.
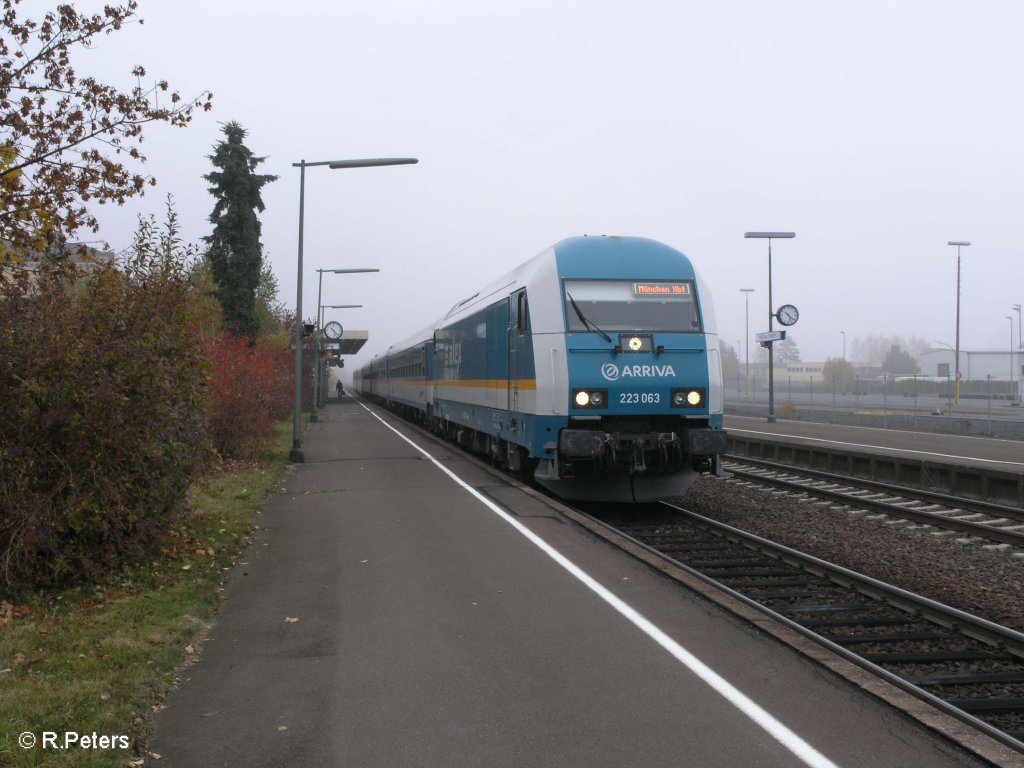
(787,314)
(333,330)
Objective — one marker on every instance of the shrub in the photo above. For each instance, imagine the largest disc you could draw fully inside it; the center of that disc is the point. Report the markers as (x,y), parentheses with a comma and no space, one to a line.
(102,422)
(250,391)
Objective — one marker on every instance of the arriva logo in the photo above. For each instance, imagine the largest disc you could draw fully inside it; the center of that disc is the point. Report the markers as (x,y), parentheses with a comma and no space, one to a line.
(612,372)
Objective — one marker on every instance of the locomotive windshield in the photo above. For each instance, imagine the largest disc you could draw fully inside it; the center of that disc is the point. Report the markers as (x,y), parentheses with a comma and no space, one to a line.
(631,305)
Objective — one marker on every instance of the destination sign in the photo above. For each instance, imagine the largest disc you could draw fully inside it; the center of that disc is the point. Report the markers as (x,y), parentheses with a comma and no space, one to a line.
(661,289)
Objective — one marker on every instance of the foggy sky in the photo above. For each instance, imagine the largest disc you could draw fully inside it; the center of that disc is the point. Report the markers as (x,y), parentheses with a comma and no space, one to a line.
(876,133)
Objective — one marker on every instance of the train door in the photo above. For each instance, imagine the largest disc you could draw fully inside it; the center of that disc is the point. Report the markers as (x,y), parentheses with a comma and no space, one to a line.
(517,320)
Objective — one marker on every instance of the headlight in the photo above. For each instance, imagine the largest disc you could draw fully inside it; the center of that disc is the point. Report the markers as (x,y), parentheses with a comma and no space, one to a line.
(590,398)
(688,398)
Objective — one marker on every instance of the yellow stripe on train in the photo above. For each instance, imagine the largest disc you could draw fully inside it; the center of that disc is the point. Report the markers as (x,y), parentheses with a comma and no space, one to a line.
(484,383)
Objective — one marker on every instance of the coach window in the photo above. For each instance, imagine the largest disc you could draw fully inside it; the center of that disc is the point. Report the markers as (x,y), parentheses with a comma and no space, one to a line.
(522,309)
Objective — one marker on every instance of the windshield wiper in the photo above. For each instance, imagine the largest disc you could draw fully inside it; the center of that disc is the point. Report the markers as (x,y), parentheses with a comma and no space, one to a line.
(586,323)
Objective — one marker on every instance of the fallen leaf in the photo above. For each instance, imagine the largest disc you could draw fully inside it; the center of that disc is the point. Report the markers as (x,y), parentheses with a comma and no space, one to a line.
(282,727)
(290,620)
(186,566)
(189,649)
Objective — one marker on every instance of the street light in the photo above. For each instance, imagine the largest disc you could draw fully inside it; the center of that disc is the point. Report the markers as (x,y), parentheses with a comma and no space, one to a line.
(956,353)
(844,345)
(769,236)
(1016,308)
(296,454)
(1013,390)
(319,325)
(746,297)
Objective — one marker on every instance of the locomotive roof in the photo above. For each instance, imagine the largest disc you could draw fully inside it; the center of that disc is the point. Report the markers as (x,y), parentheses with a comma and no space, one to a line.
(621,258)
(599,256)
(602,256)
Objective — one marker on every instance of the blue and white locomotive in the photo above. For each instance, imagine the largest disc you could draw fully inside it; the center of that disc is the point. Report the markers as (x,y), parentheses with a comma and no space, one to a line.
(595,366)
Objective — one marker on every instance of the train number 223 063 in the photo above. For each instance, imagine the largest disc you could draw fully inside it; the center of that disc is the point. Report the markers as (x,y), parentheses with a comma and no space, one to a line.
(648,398)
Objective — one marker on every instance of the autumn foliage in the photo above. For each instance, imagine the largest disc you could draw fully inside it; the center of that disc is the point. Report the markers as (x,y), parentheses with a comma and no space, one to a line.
(116,394)
(250,391)
(67,140)
(103,418)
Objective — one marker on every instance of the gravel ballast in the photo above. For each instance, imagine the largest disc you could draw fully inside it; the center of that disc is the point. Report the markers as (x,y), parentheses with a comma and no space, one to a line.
(986,582)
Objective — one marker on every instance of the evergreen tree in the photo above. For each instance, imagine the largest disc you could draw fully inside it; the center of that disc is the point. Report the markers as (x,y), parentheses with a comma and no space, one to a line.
(235,252)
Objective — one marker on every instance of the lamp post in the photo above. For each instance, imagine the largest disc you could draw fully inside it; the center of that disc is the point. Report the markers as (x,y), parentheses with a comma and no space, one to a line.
(1016,308)
(769,236)
(746,296)
(844,345)
(319,326)
(956,354)
(1013,391)
(296,455)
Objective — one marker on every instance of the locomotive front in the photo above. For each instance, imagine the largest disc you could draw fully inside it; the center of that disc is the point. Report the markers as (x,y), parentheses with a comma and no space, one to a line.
(644,374)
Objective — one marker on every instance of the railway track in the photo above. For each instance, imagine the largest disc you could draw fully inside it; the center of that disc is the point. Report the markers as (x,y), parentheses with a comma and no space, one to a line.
(968,667)
(980,519)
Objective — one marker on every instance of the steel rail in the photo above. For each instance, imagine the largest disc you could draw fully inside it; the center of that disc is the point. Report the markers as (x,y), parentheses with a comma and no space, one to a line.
(921,494)
(981,530)
(944,615)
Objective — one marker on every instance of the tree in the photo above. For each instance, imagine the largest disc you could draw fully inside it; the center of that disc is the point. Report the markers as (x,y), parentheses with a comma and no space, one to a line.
(873,349)
(62,136)
(270,310)
(898,361)
(786,351)
(234,247)
(839,370)
(730,362)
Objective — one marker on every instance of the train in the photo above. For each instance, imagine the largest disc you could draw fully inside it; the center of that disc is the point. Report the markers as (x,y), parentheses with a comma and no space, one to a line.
(593,368)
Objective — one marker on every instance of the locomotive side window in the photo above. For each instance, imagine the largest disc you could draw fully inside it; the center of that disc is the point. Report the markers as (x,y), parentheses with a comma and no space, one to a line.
(630,305)
(523,316)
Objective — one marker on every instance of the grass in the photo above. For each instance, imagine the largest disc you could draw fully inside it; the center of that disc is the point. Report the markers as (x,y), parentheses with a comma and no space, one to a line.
(100,659)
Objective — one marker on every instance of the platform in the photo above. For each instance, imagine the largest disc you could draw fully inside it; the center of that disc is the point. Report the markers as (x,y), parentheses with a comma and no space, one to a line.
(392,614)
(986,468)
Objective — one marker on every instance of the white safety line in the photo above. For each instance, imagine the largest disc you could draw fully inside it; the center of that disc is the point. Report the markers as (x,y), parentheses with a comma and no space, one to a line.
(741,701)
(881,447)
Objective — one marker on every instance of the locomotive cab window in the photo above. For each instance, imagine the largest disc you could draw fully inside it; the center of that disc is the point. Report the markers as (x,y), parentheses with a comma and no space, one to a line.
(631,305)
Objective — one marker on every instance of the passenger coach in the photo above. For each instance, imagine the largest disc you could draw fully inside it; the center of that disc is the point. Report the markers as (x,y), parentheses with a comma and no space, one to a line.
(595,366)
